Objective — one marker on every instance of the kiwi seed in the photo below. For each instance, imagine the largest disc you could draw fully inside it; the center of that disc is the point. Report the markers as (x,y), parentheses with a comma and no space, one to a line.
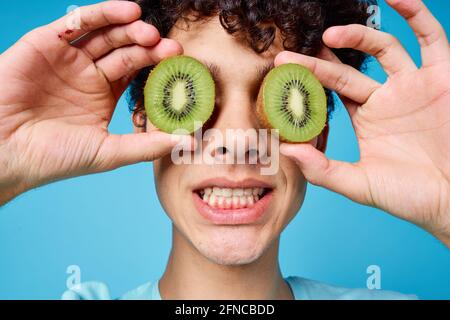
(292,100)
(179,93)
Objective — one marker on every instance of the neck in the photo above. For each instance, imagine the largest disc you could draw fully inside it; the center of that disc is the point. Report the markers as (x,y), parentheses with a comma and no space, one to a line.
(190,275)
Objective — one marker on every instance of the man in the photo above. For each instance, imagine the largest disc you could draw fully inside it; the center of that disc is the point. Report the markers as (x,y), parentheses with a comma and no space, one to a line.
(60,92)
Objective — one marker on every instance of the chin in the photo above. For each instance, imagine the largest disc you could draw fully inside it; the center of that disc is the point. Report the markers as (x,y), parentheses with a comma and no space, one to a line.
(231,245)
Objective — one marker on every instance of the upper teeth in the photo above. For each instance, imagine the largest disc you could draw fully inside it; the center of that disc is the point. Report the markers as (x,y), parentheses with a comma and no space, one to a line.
(229,192)
(231,198)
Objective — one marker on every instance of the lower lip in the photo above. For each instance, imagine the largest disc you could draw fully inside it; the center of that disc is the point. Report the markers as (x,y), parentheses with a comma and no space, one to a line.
(233,216)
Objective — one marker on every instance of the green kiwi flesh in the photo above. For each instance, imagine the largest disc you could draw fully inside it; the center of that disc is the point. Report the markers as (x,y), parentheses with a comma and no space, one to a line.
(293,101)
(179,95)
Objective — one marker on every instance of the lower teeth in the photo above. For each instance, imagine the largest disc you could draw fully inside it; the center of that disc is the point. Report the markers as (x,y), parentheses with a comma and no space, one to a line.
(231,202)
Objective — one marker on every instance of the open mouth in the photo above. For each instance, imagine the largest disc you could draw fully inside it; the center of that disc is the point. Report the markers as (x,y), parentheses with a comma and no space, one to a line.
(232,198)
(225,202)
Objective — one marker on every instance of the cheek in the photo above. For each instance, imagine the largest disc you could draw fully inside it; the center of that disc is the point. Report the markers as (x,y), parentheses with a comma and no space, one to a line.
(295,188)
(159,173)
(167,177)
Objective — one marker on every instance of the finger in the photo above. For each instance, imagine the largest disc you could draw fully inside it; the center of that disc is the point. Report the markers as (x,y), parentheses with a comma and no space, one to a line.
(89,18)
(102,41)
(343,79)
(118,87)
(327,54)
(385,47)
(124,61)
(430,33)
(341,177)
(121,150)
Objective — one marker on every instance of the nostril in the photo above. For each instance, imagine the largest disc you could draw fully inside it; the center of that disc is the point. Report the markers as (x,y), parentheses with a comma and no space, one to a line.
(221,151)
(252,156)
(252,153)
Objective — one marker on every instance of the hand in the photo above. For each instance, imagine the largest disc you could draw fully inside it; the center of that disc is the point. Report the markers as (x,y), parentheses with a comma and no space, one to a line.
(58,97)
(402,126)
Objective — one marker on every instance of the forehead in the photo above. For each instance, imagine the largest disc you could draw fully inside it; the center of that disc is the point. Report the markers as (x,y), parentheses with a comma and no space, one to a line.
(209,42)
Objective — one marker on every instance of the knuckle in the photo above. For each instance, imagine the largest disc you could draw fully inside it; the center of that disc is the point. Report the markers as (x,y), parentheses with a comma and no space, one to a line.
(107,38)
(104,16)
(356,35)
(85,23)
(314,66)
(430,38)
(129,33)
(127,61)
(151,156)
(92,17)
(342,82)
(389,42)
(102,13)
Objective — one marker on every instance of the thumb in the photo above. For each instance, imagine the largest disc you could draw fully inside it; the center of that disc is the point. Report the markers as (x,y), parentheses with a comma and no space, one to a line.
(122,150)
(342,177)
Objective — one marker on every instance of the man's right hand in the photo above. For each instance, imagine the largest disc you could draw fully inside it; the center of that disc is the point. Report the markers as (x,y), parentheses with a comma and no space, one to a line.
(58,97)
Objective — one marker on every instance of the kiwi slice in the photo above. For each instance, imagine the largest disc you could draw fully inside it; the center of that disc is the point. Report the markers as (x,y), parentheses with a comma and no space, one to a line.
(179,93)
(292,100)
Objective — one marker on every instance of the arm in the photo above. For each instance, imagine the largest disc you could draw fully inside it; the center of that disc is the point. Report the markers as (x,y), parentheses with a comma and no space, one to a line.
(402,126)
(59,94)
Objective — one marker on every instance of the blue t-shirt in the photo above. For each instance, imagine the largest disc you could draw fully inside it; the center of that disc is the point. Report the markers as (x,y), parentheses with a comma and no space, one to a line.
(303,289)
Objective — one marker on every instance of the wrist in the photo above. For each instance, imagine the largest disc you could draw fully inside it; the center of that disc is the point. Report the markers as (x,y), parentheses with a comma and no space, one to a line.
(441,227)
(442,234)
(11,182)
(10,188)
(445,239)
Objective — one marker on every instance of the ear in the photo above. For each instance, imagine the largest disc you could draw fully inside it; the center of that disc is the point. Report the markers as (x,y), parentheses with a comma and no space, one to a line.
(139,119)
(322,139)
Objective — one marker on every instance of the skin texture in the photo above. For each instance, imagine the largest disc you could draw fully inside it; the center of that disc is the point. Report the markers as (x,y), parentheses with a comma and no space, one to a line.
(402,126)
(245,253)
(59,98)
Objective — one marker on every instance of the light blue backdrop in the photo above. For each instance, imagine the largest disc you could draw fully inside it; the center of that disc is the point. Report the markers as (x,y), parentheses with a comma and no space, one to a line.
(112,226)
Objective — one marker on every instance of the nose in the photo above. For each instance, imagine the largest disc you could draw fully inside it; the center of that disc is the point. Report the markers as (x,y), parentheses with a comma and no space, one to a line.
(234,134)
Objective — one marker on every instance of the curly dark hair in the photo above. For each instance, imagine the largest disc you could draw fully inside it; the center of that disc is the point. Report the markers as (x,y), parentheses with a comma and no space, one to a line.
(301,22)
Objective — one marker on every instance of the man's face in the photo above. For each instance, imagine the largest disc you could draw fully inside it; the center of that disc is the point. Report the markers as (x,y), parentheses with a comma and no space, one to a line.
(231,230)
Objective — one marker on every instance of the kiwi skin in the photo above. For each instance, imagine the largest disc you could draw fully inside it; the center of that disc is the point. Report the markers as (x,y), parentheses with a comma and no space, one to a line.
(260,113)
(264,121)
(150,104)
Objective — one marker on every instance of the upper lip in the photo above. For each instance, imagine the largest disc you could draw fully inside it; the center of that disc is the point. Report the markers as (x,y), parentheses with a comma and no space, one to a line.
(223,182)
